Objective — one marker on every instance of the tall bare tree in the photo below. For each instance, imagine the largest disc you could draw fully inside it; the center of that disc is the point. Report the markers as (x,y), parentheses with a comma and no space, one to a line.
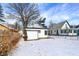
(26,13)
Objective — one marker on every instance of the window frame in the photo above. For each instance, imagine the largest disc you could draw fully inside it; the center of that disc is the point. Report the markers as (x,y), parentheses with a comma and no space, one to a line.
(45,32)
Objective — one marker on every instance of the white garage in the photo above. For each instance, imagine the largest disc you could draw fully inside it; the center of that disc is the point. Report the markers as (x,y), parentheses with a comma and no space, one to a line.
(36,31)
(32,34)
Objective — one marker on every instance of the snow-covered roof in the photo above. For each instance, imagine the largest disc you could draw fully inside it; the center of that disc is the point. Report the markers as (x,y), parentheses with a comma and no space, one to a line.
(34,24)
(58,25)
(10,26)
(10,21)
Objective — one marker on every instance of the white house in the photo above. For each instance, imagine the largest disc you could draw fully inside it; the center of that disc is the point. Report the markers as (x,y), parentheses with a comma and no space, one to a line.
(62,28)
(36,31)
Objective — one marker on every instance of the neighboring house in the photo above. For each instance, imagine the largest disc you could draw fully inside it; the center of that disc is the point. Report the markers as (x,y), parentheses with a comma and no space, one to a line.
(75,30)
(36,31)
(3,27)
(6,26)
(13,21)
(63,28)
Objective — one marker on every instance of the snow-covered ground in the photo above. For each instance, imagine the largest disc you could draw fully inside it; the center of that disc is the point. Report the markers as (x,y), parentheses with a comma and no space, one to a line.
(54,46)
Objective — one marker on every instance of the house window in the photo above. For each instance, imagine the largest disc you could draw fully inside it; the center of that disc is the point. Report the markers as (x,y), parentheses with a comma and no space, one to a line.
(64,31)
(61,31)
(70,31)
(45,32)
(54,30)
(75,31)
(39,31)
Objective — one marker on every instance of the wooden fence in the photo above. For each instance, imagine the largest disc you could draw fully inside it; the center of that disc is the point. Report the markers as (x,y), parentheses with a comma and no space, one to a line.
(8,39)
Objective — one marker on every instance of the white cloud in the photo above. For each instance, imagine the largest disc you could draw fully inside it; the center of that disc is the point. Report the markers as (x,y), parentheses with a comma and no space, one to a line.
(65,17)
(56,14)
(62,12)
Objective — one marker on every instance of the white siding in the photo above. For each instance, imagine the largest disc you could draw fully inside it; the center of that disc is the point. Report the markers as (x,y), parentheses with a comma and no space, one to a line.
(42,33)
(72,33)
(36,33)
(32,35)
(65,26)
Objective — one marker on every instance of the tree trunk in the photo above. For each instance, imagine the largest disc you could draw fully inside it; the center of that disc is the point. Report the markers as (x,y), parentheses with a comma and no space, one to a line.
(25,31)
(25,35)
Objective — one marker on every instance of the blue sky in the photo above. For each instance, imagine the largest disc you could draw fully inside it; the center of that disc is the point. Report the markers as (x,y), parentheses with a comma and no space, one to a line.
(57,12)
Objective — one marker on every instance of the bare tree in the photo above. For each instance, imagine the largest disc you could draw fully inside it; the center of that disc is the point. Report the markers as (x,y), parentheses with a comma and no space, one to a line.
(26,13)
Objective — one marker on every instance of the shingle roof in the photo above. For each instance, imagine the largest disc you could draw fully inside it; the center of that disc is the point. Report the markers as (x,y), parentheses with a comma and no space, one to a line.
(74,26)
(77,26)
(58,25)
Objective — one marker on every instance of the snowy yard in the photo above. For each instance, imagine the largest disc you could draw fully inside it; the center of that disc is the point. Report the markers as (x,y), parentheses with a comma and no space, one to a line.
(54,46)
